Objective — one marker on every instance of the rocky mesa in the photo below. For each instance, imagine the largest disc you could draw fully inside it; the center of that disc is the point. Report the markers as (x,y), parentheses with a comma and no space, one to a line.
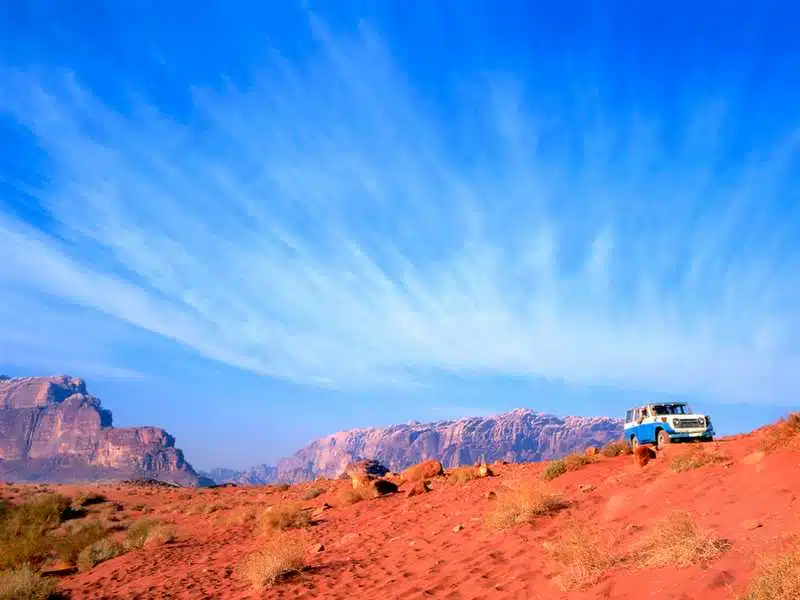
(52,429)
(521,435)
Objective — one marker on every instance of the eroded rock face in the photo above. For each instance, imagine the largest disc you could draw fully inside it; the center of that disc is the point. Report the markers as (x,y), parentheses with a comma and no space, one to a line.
(51,429)
(521,435)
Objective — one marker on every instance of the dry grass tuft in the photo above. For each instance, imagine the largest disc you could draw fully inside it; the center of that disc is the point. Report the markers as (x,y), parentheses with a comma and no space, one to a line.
(583,555)
(24,583)
(781,434)
(573,462)
(137,533)
(240,515)
(677,540)
(616,448)
(777,578)
(160,535)
(698,457)
(88,499)
(312,493)
(24,528)
(99,551)
(278,558)
(69,544)
(554,469)
(523,504)
(285,516)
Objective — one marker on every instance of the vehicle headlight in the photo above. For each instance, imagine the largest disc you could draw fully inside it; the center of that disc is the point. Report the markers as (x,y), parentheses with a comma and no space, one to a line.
(702,422)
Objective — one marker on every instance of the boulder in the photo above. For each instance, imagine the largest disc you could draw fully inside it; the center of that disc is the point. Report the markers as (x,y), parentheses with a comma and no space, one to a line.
(427,469)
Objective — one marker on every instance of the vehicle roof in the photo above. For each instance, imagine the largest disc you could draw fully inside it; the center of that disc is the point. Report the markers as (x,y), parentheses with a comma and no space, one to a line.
(658,404)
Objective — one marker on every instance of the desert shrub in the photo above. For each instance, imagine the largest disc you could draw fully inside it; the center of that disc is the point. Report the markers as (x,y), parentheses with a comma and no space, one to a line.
(137,533)
(99,551)
(279,557)
(573,462)
(285,516)
(241,515)
(782,433)
(207,509)
(312,493)
(677,540)
(461,475)
(698,457)
(69,544)
(281,487)
(583,555)
(776,578)
(616,448)
(88,499)
(159,535)
(554,469)
(48,510)
(523,504)
(576,461)
(24,583)
(24,528)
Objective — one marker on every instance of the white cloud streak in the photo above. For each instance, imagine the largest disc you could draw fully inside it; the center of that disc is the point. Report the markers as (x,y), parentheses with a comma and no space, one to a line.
(326,226)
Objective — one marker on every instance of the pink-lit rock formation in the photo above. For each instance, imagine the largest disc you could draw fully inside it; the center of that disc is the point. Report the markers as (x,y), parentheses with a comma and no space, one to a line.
(51,429)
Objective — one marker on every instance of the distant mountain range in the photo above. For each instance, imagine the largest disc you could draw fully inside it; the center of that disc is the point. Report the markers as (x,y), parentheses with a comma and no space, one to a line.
(52,429)
(521,435)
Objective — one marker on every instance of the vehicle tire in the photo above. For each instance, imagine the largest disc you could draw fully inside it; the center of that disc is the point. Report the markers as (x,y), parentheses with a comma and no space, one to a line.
(634,442)
(662,439)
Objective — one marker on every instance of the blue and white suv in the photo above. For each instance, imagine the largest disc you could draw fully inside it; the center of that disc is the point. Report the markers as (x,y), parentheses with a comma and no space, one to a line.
(664,423)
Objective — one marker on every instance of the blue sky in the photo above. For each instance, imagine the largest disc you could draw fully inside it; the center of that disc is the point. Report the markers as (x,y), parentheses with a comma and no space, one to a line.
(256,223)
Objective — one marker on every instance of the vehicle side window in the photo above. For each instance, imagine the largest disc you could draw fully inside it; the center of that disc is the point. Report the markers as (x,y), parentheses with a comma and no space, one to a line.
(629,416)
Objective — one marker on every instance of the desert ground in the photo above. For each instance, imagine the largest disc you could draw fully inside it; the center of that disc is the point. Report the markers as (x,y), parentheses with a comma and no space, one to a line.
(716,521)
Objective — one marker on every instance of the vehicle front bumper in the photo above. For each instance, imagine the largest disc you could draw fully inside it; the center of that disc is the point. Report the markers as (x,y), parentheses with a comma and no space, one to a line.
(690,434)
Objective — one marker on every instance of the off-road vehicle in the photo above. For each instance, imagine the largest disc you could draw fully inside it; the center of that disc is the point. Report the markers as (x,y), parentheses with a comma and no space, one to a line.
(664,423)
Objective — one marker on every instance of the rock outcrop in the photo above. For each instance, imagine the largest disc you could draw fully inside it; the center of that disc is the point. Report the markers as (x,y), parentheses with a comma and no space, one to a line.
(52,429)
(521,435)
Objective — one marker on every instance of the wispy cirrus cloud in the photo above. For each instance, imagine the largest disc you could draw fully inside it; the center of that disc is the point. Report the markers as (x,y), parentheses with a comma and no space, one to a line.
(325,223)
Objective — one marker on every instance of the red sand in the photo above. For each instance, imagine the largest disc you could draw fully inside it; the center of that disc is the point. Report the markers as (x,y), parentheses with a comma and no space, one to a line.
(396,547)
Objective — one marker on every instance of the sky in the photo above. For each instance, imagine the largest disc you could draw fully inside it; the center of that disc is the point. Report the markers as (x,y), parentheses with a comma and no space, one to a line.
(256,223)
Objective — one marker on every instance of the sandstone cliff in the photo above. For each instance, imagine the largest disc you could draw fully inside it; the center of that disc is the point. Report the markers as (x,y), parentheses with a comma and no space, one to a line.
(51,429)
(521,435)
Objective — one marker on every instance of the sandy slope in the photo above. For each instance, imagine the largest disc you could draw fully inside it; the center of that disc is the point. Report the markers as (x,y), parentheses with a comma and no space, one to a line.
(396,547)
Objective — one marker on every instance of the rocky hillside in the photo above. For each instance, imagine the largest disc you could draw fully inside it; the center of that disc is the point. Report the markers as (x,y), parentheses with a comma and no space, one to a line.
(253,476)
(52,429)
(521,435)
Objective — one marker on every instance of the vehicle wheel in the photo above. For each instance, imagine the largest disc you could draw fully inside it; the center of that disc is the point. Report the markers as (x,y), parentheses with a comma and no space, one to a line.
(634,442)
(662,440)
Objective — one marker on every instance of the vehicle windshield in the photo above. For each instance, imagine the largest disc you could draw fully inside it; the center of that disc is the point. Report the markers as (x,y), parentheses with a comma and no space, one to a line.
(671,409)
